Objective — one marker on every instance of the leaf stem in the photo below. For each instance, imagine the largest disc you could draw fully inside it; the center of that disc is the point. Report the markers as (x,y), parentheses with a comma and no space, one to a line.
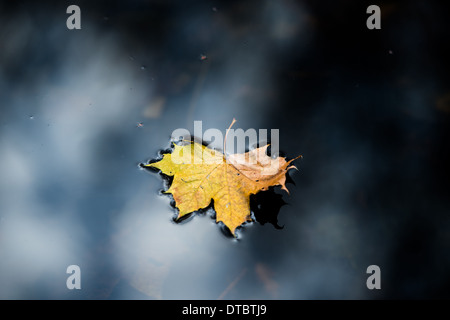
(225,139)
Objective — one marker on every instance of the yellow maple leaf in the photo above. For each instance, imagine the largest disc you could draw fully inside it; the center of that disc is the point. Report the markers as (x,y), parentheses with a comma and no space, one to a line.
(201,174)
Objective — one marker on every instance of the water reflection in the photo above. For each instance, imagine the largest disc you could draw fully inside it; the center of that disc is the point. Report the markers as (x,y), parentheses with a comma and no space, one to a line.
(80,110)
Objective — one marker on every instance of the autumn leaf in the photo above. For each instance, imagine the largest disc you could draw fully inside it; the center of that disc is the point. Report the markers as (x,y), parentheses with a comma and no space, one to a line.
(201,174)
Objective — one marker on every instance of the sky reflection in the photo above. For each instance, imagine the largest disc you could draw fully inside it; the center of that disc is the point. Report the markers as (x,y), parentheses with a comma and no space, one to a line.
(81,109)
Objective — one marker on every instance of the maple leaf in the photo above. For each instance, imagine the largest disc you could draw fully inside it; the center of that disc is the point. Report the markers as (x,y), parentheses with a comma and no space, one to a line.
(201,174)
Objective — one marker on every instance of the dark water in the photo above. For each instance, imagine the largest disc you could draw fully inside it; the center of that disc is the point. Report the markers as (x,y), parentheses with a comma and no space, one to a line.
(368,110)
